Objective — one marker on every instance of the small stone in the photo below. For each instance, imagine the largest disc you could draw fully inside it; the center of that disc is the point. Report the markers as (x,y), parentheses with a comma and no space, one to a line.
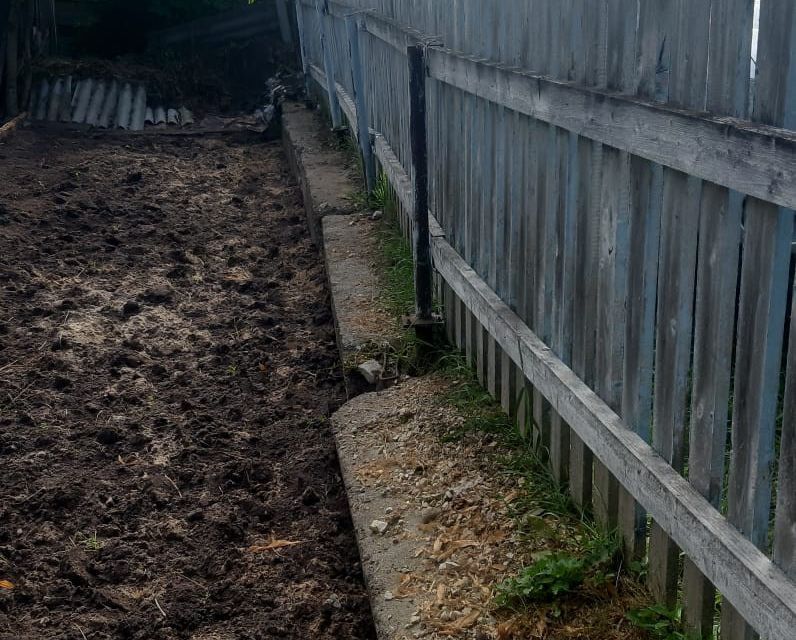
(334,601)
(414,619)
(377,215)
(371,371)
(388,595)
(379,527)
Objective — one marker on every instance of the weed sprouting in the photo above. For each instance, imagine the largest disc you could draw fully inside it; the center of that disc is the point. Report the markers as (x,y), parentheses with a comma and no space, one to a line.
(383,196)
(546,579)
(556,574)
(398,289)
(659,622)
(89,543)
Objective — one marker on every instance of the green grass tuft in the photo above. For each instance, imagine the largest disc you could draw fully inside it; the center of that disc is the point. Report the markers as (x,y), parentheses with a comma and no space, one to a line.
(659,622)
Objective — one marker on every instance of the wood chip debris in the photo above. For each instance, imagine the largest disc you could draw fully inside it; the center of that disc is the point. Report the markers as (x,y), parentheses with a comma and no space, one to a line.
(468,537)
(273,545)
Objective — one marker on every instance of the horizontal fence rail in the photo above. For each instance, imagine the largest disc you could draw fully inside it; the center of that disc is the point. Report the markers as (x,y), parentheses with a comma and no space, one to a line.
(611,222)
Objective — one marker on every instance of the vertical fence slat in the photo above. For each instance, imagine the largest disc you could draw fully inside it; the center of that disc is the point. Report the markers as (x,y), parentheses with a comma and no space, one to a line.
(646,196)
(302,39)
(614,226)
(358,83)
(785,521)
(761,318)
(620,36)
(766,260)
(761,314)
(527,297)
(567,143)
(322,10)
(676,281)
(717,278)
(544,237)
(646,201)
(673,350)
(590,70)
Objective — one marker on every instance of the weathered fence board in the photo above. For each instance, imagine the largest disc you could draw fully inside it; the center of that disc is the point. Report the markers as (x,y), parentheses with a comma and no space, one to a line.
(755,160)
(601,197)
(688,61)
(589,69)
(762,307)
(785,523)
(717,277)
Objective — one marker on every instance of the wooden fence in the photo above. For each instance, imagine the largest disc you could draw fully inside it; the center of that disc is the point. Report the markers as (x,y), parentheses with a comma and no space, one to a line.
(611,201)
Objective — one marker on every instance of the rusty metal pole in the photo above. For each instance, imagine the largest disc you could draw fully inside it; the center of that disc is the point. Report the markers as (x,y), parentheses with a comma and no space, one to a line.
(418,134)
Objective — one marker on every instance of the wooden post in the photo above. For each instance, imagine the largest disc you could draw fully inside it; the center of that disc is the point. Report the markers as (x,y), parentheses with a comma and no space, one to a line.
(322,7)
(358,81)
(418,136)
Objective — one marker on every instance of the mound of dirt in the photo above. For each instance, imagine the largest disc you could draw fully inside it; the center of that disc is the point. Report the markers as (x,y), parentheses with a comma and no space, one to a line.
(167,465)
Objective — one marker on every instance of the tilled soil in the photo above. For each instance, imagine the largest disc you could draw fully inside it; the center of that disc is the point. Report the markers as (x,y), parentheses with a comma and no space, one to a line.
(167,366)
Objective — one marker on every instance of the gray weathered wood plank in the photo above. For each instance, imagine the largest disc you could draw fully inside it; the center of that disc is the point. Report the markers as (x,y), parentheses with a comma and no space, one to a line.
(717,275)
(761,313)
(322,9)
(761,320)
(676,280)
(785,521)
(589,69)
(679,229)
(753,159)
(614,211)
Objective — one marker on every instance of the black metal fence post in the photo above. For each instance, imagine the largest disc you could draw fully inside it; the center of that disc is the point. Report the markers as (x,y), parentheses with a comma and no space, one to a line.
(419,138)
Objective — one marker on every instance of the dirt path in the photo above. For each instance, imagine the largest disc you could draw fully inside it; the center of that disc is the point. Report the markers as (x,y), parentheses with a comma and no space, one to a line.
(167,365)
